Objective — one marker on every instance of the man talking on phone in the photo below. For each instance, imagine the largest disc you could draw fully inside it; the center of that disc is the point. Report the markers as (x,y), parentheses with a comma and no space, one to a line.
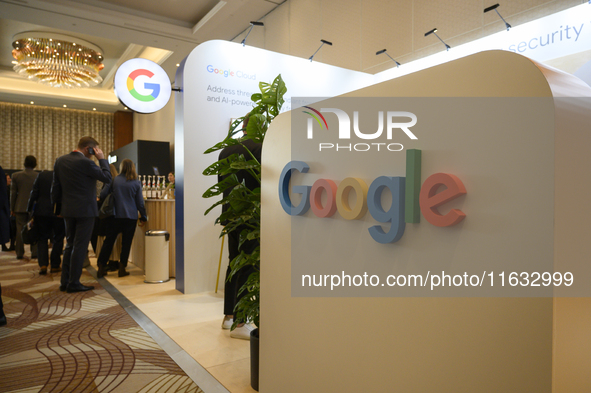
(74,188)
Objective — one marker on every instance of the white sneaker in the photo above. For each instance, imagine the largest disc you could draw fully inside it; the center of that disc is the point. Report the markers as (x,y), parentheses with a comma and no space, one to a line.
(227,322)
(242,332)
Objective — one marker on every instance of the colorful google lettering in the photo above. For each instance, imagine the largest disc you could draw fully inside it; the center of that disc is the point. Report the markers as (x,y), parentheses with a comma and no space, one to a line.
(226,73)
(409,198)
(155,87)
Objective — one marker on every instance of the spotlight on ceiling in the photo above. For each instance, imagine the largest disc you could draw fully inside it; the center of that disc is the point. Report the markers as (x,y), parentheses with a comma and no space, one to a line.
(384,51)
(252,24)
(434,31)
(323,42)
(494,7)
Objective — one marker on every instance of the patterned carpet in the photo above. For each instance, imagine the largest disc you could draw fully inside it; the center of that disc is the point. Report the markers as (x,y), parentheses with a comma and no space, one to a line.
(79,342)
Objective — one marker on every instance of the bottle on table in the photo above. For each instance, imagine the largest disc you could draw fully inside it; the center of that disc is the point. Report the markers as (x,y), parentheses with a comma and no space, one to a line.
(149,188)
(144,191)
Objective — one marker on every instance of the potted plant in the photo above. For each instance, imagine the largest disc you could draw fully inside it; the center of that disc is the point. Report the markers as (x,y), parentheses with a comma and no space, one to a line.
(243,205)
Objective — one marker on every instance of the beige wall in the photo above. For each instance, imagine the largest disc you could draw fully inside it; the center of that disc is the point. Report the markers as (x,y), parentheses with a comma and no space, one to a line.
(158,126)
(359,28)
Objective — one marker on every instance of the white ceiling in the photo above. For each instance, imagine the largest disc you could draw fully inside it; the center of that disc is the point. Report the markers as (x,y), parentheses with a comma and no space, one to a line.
(164,31)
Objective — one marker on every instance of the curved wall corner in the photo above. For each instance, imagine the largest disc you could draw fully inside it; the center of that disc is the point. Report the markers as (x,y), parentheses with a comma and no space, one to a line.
(508,344)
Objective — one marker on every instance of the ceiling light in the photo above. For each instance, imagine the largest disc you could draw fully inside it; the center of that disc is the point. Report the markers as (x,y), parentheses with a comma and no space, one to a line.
(323,42)
(65,106)
(57,66)
(32,102)
(384,51)
(252,24)
(94,109)
(434,31)
(494,7)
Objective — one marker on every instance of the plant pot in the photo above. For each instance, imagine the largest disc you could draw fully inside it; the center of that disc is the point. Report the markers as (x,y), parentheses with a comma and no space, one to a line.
(254,359)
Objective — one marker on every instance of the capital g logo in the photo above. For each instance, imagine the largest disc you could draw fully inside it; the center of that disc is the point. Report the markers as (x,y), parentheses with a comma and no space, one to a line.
(142,85)
(155,87)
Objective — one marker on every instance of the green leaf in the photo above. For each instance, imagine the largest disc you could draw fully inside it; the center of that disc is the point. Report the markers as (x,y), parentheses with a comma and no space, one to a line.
(222,145)
(244,165)
(217,167)
(218,188)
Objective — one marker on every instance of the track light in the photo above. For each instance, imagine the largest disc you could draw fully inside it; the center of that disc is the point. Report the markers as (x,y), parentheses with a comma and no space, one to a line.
(434,31)
(494,7)
(252,24)
(384,51)
(323,42)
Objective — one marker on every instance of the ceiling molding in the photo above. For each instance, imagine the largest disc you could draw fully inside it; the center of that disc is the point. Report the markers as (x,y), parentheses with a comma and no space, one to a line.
(208,16)
(131,52)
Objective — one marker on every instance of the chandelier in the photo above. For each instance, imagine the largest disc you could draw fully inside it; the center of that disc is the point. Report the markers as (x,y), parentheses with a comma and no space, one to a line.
(57,60)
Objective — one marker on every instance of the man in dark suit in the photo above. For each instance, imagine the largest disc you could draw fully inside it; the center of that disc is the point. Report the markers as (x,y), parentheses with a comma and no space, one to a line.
(49,225)
(74,186)
(232,288)
(20,190)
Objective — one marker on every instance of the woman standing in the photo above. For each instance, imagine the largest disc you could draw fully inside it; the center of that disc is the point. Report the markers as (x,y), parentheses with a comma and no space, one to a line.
(127,192)
(170,187)
(101,228)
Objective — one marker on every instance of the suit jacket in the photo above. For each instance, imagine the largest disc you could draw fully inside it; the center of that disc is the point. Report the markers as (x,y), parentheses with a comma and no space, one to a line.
(128,197)
(42,195)
(4,210)
(20,189)
(74,184)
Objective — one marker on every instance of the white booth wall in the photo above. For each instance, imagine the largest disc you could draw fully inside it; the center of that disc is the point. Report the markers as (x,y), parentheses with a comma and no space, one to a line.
(508,344)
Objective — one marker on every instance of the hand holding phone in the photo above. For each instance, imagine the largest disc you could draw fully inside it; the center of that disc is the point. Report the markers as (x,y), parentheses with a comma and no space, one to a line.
(91,151)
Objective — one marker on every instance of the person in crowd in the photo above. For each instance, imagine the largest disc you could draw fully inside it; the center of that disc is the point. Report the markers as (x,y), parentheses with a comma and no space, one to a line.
(74,186)
(233,286)
(20,190)
(127,191)
(4,211)
(47,222)
(95,230)
(4,229)
(11,219)
(2,315)
(170,186)
(104,223)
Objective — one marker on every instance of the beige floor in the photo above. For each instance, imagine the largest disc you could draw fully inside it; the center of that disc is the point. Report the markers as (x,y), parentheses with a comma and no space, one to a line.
(194,323)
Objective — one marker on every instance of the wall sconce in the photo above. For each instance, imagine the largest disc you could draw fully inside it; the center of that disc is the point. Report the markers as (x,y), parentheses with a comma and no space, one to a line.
(494,7)
(434,31)
(323,42)
(252,24)
(384,51)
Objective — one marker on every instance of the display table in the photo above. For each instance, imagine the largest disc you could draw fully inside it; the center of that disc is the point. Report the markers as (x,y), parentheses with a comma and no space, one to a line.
(160,217)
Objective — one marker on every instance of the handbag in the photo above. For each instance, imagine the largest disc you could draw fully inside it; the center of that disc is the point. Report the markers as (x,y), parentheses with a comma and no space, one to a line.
(108,207)
(30,232)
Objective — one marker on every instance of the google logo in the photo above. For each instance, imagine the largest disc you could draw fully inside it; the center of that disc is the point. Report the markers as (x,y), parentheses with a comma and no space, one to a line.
(155,87)
(142,85)
(226,73)
(408,197)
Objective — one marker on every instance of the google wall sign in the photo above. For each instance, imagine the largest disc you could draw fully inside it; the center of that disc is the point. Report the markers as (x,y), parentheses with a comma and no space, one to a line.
(142,85)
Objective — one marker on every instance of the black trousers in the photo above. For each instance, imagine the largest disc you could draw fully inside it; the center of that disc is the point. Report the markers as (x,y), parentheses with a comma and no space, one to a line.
(233,286)
(21,221)
(57,242)
(115,226)
(78,231)
(50,228)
